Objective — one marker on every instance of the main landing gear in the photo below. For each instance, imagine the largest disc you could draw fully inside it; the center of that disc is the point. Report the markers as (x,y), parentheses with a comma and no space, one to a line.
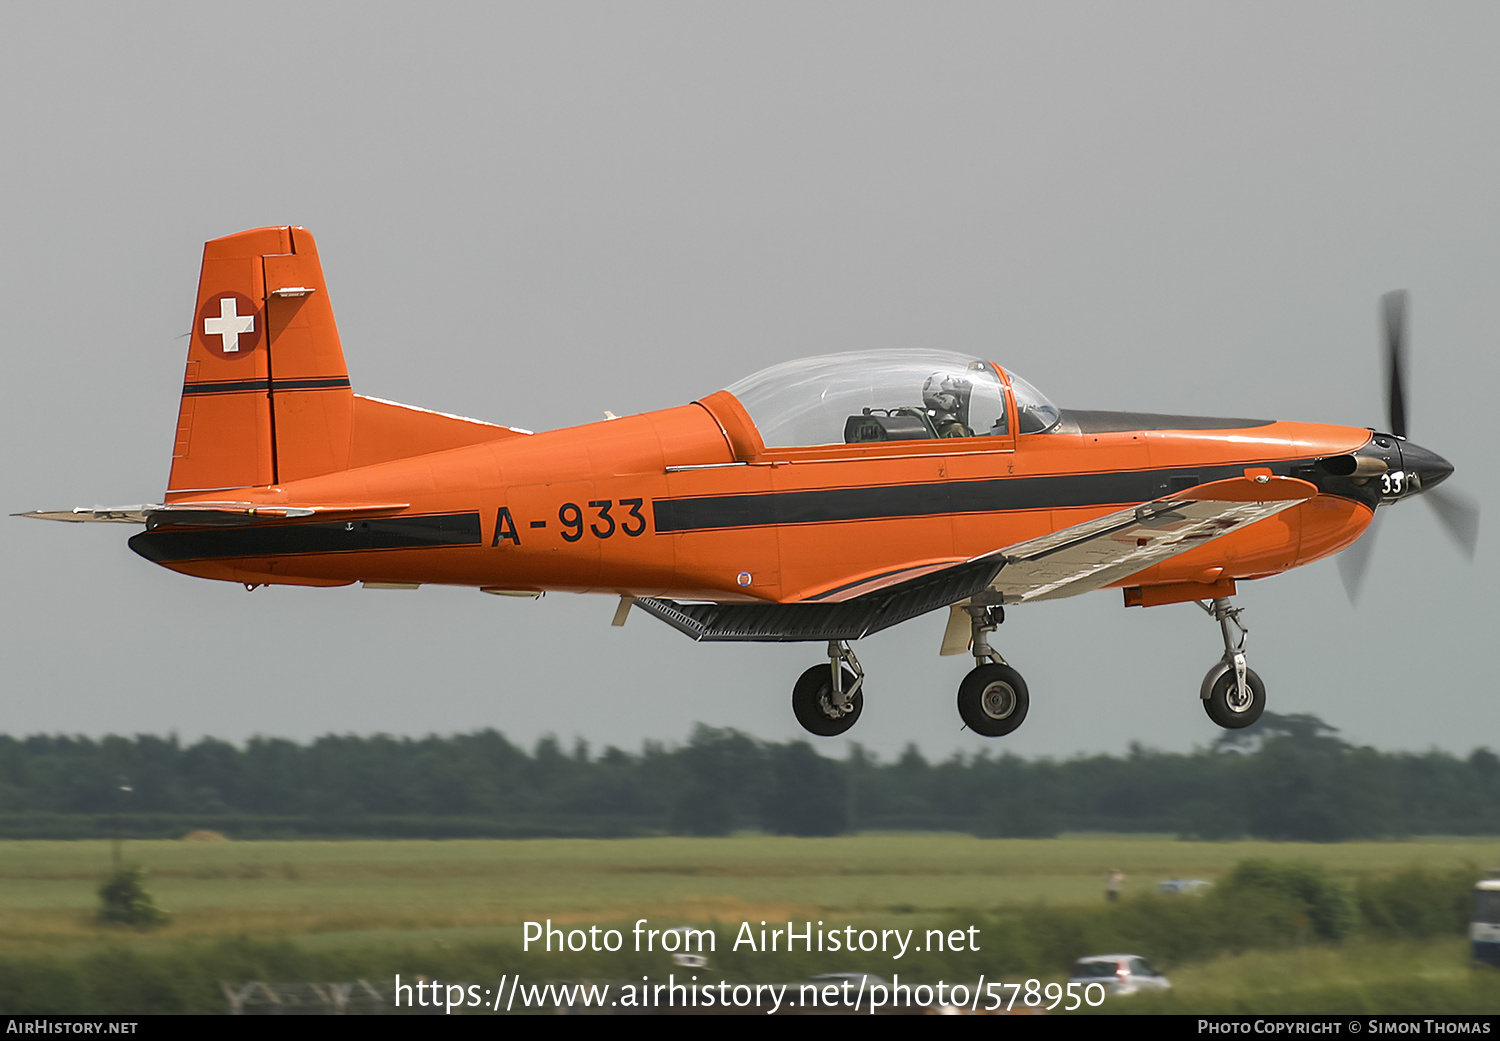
(1233,695)
(828,699)
(992,699)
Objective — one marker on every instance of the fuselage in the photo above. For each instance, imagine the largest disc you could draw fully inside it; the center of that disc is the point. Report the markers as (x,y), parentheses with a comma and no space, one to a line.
(687,503)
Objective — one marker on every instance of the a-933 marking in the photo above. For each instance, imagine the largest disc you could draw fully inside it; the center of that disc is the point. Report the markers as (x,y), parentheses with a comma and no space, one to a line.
(575,523)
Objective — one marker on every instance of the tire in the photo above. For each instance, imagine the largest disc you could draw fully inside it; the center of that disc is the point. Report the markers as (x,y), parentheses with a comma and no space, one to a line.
(813,706)
(993,700)
(1220,703)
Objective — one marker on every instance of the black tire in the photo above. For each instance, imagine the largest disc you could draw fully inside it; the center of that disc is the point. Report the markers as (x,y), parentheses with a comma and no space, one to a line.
(812,702)
(993,700)
(1222,697)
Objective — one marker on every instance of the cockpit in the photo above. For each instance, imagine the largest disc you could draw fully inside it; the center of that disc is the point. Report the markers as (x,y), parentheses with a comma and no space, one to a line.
(873,396)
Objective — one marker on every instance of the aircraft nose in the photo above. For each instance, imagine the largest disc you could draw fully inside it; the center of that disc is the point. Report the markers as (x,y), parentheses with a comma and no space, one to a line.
(1430,468)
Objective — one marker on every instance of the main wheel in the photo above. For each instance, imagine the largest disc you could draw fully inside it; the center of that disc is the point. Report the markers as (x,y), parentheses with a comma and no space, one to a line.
(1224,704)
(812,702)
(993,700)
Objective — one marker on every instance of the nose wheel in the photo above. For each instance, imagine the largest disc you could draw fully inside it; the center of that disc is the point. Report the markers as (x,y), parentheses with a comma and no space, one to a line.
(1232,694)
(828,699)
(1227,705)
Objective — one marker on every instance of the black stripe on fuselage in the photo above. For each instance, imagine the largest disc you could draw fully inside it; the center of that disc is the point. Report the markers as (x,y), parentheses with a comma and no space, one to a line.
(276,539)
(248,386)
(887,502)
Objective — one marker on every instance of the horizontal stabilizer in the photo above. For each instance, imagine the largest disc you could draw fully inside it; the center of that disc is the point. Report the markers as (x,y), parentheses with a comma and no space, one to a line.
(207,514)
(78,514)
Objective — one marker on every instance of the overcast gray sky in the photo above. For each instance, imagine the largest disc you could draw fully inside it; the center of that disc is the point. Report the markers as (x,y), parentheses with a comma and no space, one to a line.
(531,213)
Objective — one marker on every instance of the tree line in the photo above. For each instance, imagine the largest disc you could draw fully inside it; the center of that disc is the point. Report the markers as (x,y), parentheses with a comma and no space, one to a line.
(1290,777)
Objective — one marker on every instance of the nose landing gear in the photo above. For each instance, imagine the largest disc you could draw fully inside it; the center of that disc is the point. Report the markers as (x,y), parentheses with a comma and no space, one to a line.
(828,699)
(1233,695)
(992,700)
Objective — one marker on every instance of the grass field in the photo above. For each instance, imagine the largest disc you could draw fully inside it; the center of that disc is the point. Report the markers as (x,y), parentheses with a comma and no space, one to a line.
(338,893)
(345,910)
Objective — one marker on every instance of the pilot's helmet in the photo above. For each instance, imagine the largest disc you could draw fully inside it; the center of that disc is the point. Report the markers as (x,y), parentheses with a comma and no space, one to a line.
(947,395)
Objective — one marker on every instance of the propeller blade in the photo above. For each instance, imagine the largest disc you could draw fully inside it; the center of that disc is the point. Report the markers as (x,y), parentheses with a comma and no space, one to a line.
(1354,562)
(1459,514)
(1393,313)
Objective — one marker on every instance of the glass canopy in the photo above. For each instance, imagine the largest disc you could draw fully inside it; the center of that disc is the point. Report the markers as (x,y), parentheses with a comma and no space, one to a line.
(867,396)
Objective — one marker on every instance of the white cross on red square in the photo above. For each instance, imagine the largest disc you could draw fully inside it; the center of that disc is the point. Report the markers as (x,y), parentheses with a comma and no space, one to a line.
(230,324)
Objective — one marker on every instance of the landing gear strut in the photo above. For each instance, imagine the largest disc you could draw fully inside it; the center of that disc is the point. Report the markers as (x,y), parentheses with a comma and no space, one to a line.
(828,699)
(992,698)
(1233,695)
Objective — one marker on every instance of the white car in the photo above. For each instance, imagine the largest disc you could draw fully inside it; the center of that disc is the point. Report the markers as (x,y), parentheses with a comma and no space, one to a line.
(1119,974)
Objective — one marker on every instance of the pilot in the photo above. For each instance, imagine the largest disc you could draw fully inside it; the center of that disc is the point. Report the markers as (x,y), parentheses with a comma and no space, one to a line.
(946,398)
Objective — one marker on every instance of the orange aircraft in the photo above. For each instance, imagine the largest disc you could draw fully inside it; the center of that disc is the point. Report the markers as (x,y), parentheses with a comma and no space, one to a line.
(820,500)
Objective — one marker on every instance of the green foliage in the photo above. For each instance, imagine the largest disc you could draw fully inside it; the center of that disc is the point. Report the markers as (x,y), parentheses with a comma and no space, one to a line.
(1261,905)
(723,771)
(1407,977)
(123,900)
(1329,908)
(180,978)
(1167,930)
(806,794)
(1418,902)
(1286,778)
(1305,730)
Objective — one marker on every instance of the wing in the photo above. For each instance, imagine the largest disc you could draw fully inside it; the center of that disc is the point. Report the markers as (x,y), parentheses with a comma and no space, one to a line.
(1074,560)
(1099,552)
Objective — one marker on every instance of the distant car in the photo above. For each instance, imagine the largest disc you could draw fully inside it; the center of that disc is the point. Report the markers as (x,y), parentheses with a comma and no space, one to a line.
(1176,886)
(1119,974)
(686,956)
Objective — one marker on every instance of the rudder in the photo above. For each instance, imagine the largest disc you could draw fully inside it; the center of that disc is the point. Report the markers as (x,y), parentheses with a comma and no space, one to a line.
(266,397)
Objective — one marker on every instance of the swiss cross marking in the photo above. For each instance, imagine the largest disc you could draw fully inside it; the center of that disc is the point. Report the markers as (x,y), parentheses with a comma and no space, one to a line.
(230,324)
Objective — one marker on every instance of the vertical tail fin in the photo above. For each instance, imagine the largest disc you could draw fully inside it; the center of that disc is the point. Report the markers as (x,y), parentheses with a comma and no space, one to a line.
(266,397)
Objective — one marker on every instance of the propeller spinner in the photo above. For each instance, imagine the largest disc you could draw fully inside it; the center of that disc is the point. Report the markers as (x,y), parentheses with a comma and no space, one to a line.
(1417,471)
